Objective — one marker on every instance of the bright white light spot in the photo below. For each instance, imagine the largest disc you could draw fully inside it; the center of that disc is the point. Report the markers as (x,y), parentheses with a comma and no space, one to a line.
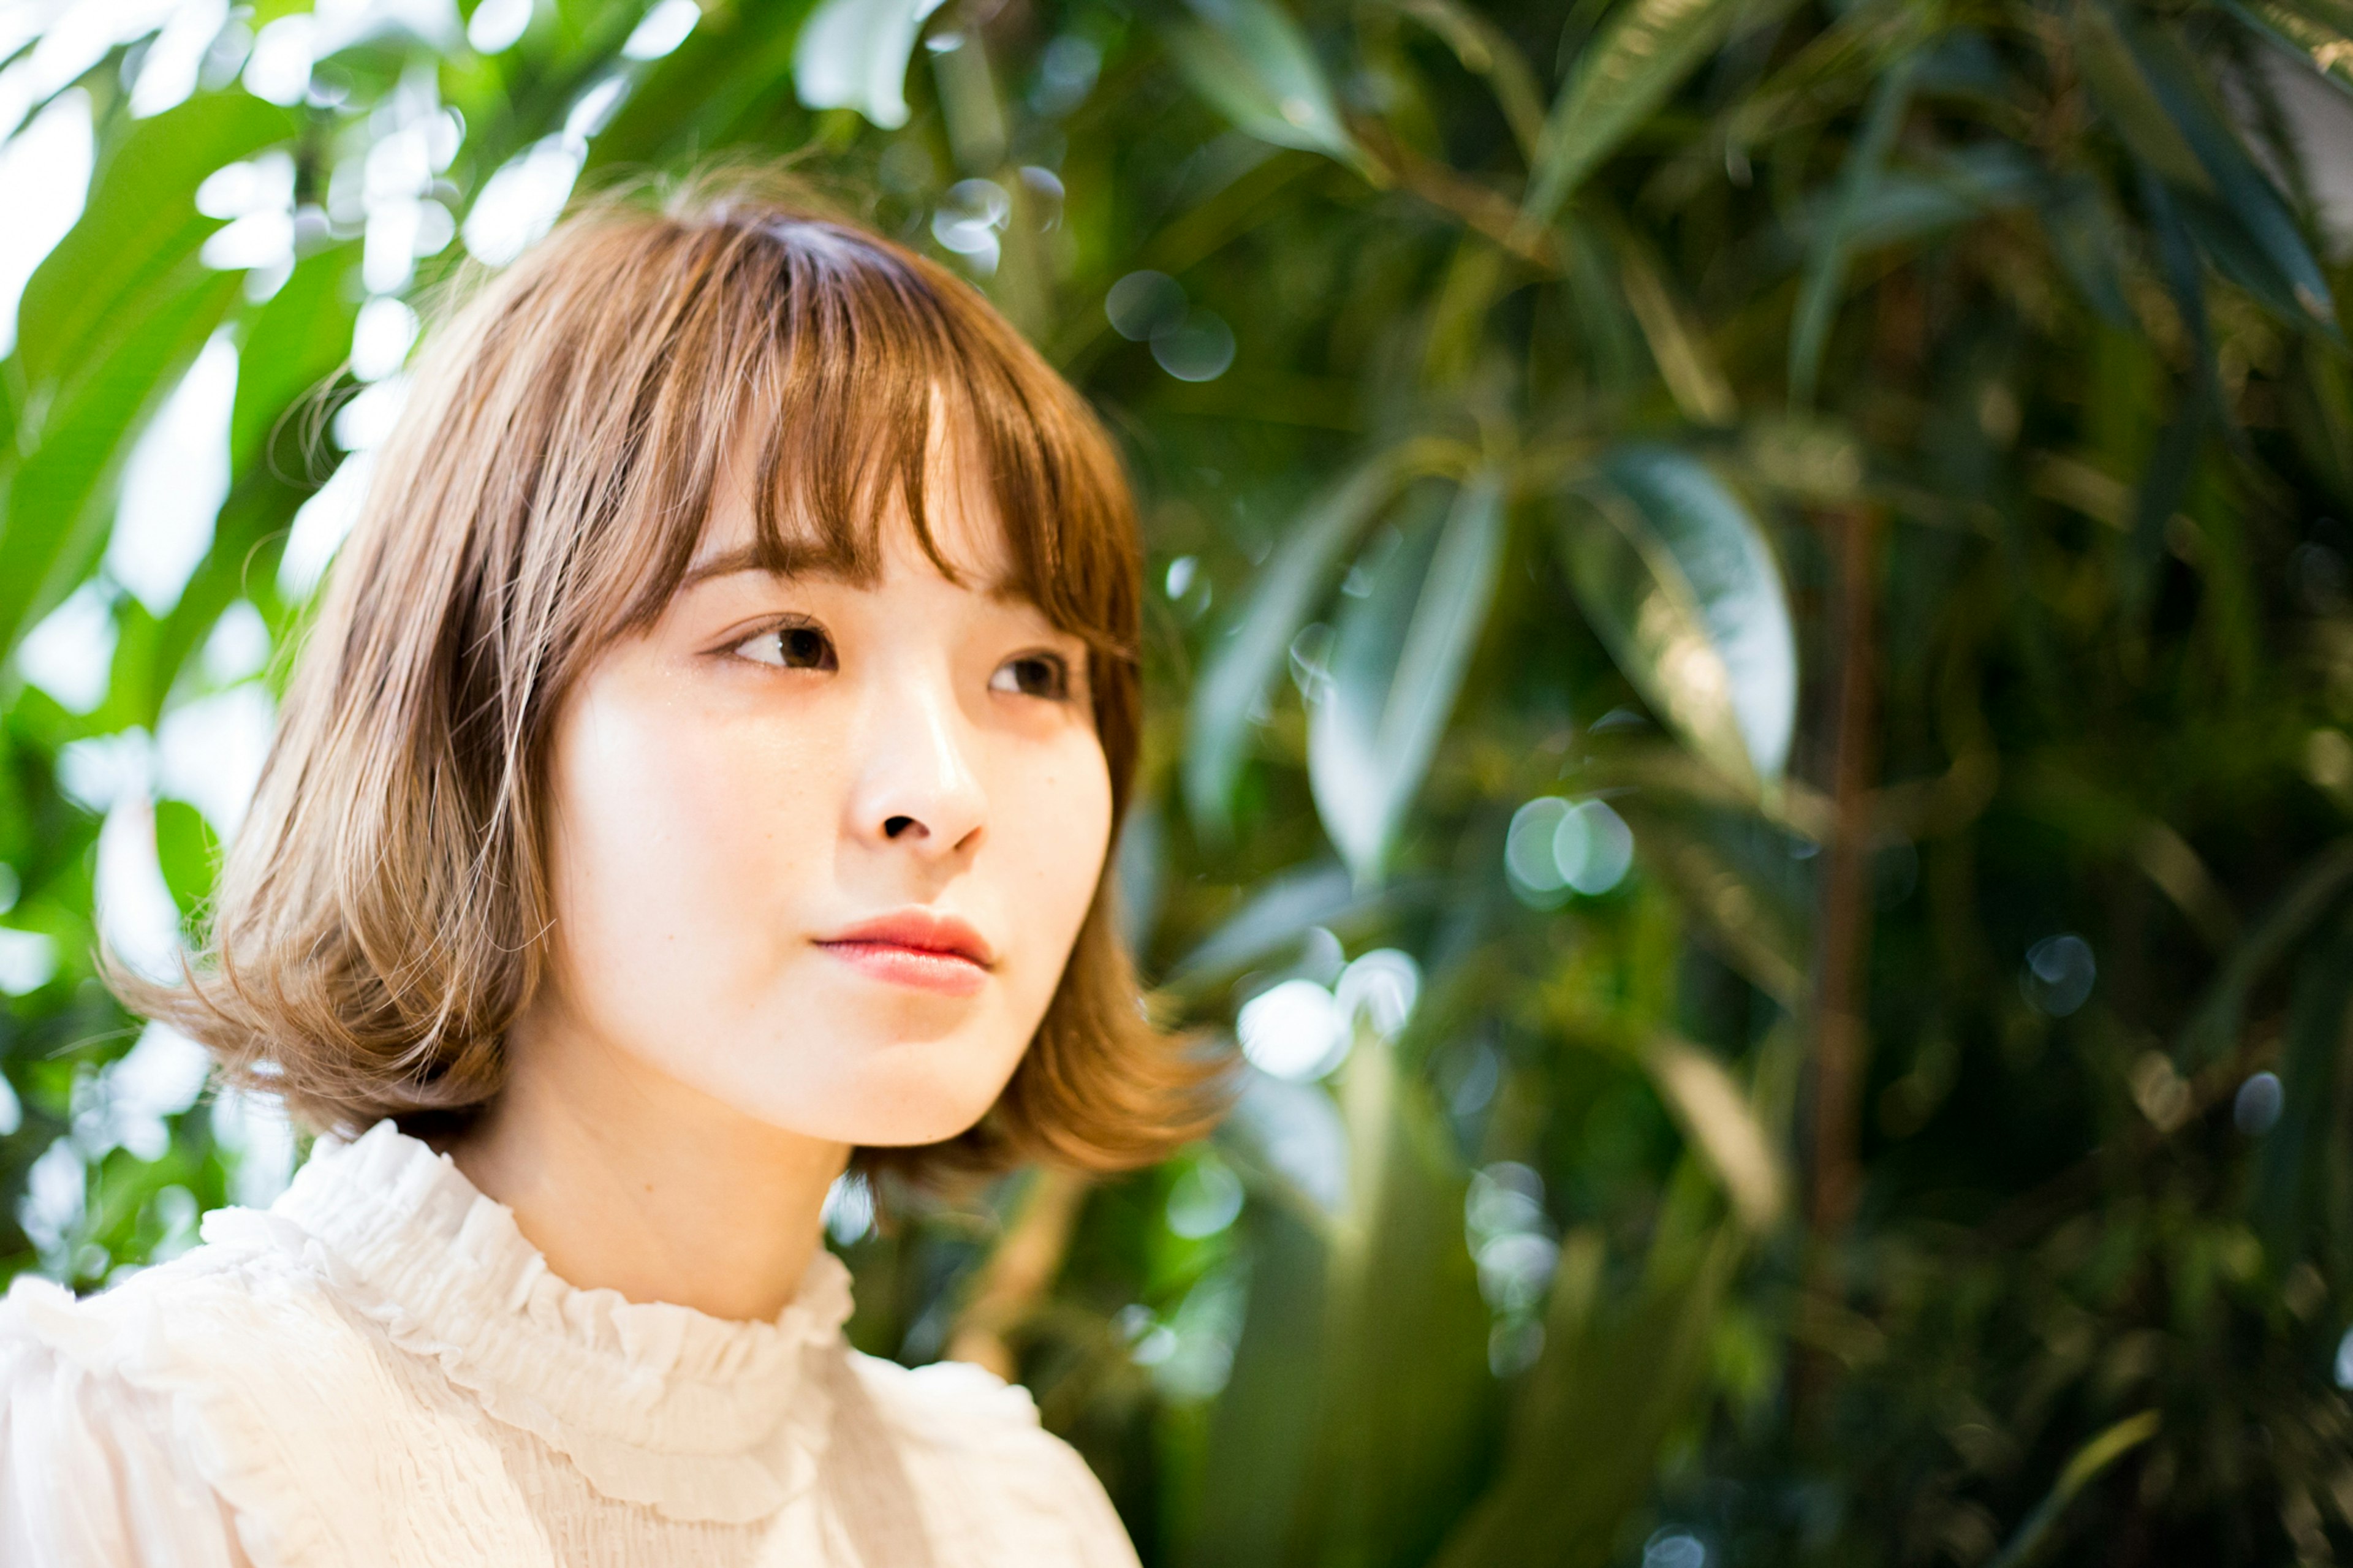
(596,107)
(1143,303)
(175,483)
(279,70)
(388,253)
(852,54)
(380,338)
(259,239)
(28,959)
(2256,1108)
(848,1211)
(1199,348)
(497,24)
(1181,571)
(664,29)
(1381,987)
(136,915)
(321,525)
(1593,847)
(435,228)
(161,1076)
(366,422)
(209,753)
(1293,1031)
(263,183)
(1555,847)
(1206,1199)
(1672,1548)
(969,217)
(55,1190)
(12,1110)
(254,1128)
(44,180)
(522,200)
(1515,1268)
(238,647)
(168,75)
(2060,974)
(101,770)
(70,654)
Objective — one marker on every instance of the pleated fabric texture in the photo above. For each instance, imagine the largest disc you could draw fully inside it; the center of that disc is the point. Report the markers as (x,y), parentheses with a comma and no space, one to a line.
(381,1370)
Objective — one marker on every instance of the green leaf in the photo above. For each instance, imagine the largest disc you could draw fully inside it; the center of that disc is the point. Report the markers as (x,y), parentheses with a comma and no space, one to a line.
(2317,32)
(1251,62)
(1249,652)
(188,852)
(1619,1371)
(53,516)
(1675,575)
(140,227)
(296,342)
(1826,258)
(1398,655)
(2084,1467)
(1645,54)
(2163,74)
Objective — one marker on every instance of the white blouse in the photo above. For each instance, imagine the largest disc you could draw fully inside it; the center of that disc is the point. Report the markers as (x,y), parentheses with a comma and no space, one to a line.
(380,1370)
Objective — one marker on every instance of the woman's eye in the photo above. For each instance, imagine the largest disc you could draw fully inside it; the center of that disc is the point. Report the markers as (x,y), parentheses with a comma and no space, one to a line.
(1033,675)
(791,648)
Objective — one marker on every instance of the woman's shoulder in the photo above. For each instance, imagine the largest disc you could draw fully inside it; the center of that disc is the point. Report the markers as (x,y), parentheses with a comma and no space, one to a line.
(973,1446)
(248,1289)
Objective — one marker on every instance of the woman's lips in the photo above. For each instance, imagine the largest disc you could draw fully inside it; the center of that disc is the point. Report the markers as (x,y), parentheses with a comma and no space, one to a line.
(916,947)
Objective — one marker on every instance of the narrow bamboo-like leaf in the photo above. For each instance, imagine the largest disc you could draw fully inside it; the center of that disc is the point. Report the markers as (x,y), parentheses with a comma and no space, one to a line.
(1723,1127)
(295,342)
(1252,63)
(1484,49)
(1644,54)
(2237,184)
(1619,1371)
(1397,659)
(1825,270)
(1674,574)
(2317,32)
(1679,346)
(2085,1467)
(1246,654)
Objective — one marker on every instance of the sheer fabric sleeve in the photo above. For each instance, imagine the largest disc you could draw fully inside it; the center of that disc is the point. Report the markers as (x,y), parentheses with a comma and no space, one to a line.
(94,1471)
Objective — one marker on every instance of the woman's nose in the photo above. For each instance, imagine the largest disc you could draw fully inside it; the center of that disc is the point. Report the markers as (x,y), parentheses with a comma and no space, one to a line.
(920,789)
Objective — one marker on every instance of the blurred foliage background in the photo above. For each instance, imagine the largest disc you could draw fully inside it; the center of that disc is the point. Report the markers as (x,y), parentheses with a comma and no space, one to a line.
(1752,650)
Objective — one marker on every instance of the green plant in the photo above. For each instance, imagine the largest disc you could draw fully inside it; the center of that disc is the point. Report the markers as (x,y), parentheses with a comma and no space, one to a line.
(1883,463)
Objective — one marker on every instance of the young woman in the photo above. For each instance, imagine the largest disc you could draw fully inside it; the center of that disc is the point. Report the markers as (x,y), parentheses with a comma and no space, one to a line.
(699,779)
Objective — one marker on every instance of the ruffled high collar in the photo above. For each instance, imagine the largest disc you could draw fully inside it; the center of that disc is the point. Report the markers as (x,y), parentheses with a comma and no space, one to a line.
(693,1415)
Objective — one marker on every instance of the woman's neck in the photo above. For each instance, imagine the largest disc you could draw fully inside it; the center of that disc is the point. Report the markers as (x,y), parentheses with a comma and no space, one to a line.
(627,1179)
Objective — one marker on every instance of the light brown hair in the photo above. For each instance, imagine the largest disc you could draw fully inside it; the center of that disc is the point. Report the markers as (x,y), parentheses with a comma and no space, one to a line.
(380,918)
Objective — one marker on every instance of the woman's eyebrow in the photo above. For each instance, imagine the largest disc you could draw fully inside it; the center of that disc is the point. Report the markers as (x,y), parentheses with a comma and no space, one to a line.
(792,560)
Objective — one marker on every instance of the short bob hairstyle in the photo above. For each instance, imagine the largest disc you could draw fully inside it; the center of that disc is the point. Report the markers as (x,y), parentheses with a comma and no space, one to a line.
(379,919)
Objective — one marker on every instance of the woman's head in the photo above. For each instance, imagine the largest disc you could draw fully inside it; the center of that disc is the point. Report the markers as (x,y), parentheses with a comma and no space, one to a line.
(739,604)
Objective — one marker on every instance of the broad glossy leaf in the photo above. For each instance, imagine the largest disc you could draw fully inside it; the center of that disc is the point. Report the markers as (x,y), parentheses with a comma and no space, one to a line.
(52,520)
(1250,60)
(1247,653)
(141,226)
(852,54)
(1398,654)
(1644,54)
(296,341)
(1675,573)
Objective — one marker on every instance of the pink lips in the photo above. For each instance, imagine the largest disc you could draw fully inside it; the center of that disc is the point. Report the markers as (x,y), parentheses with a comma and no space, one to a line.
(917,948)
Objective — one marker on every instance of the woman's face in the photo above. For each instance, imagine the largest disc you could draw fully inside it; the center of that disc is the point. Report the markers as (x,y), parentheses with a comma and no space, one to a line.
(820,850)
